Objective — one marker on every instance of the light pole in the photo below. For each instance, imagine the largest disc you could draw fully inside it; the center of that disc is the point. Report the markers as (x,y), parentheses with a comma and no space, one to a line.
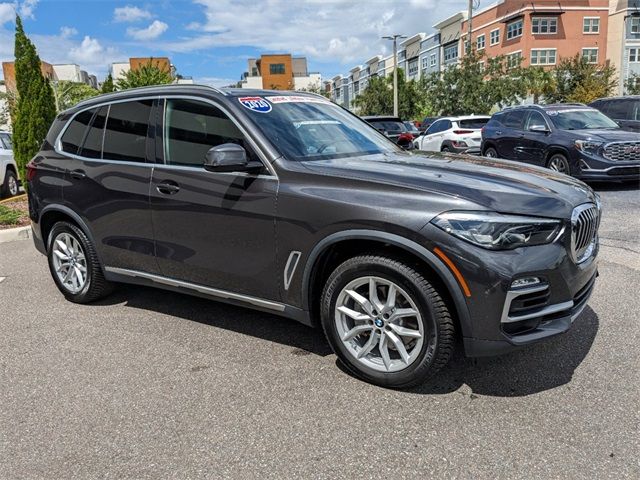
(395,38)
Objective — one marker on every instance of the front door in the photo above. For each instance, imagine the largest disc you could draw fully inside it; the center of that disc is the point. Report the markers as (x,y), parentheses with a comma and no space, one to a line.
(533,146)
(211,228)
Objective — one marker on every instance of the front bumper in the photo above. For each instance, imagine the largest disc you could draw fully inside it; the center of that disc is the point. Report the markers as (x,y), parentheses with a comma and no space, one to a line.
(596,168)
(502,319)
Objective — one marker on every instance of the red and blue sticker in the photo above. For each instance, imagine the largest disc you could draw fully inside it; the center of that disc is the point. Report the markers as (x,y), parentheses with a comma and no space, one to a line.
(257,104)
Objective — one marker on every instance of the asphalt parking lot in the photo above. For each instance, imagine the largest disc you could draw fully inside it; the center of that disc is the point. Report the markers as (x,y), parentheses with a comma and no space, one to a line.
(151,384)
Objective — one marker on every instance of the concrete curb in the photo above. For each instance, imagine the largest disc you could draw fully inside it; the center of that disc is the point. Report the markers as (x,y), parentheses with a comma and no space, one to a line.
(15,234)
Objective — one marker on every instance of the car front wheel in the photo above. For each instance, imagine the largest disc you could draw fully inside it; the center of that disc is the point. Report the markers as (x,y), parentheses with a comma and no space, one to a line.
(10,187)
(74,265)
(386,322)
(559,163)
(490,152)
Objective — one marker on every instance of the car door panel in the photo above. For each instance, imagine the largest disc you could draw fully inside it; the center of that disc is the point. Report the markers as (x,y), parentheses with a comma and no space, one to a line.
(212,228)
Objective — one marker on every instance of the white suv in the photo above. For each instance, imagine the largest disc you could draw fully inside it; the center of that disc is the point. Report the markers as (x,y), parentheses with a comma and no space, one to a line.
(453,134)
(9,185)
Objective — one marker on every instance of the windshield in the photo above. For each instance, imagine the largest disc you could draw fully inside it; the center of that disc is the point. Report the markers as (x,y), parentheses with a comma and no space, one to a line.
(309,128)
(580,119)
(388,125)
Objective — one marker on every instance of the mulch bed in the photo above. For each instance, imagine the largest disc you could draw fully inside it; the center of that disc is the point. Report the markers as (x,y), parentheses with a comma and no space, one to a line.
(21,205)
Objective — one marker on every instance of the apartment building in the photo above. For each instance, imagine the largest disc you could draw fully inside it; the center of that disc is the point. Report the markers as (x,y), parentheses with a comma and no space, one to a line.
(451,45)
(623,42)
(9,72)
(541,32)
(119,69)
(280,72)
(430,54)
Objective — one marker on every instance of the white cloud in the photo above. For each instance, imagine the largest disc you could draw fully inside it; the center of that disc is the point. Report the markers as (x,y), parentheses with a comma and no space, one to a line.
(130,14)
(153,31)
(27,7)
(215,81)
(7,12)
(346,31)
(66,32)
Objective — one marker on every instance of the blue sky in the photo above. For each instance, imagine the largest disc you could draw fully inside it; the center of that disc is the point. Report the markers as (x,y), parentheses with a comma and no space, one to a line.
(212,39)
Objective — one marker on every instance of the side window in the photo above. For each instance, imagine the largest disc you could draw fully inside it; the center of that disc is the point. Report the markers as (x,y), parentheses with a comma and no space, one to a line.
(73,136)
(125,137)
(635,111)
(514,119)
(5,141)
(535,120)
(92,147)
(437,127)
(191,128)
(619,110)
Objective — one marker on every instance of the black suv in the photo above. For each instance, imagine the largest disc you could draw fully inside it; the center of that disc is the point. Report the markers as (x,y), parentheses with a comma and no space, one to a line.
(624,110)
(394,129)
(289,204)
(568,138)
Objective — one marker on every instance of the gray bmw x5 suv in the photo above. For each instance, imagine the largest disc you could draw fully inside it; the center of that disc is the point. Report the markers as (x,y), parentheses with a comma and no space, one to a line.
(287,203)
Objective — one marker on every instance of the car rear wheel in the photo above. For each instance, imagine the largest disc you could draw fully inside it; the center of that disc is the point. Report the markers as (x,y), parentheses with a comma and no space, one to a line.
(490,152)
(74,265)
(386,322)
(559,163)
(10,187)
(445,149)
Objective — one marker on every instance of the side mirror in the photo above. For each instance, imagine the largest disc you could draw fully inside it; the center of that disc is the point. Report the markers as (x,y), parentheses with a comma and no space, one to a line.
(228,157)
(539,129)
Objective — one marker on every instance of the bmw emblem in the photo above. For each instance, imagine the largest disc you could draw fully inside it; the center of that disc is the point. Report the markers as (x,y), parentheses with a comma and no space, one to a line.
(379,323)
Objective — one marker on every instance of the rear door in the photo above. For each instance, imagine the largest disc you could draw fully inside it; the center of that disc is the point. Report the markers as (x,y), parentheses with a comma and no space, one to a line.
(432,139)
(510,136)
(215,229)
(107,180)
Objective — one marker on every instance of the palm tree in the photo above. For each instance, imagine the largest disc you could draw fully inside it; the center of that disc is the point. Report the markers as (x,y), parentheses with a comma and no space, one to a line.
(143,76)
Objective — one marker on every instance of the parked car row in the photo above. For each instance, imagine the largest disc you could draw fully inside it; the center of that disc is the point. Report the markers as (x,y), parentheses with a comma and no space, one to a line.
(9,183)
(453,134)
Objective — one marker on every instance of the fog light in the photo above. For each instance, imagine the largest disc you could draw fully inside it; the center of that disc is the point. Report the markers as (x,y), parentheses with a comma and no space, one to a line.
(525,282)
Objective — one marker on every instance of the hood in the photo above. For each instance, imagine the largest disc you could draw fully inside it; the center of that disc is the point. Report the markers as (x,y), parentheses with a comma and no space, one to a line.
(497,185)
(607,135)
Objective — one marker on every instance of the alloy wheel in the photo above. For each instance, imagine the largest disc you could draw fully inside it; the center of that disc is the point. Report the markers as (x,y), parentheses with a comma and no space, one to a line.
(13,186)
(379,324)
(69,262)
(558,164)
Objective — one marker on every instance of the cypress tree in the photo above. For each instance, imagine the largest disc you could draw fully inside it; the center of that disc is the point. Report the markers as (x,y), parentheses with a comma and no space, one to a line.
(35,107)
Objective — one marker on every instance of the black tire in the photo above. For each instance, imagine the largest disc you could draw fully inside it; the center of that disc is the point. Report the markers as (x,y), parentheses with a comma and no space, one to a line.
(438,325)
(490,152)
(10,182)
(96,286)
(559,163)
(445,149)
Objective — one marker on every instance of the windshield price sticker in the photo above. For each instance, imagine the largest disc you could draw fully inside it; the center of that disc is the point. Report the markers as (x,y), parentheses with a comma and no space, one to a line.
(296,99)
(257,104)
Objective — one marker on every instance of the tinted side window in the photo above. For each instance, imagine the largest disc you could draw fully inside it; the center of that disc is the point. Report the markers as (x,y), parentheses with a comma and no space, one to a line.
(92,147)
(74,134)
(535,120)
(5,141)
(435,127)
(635,110)
(514,119)
(125,137)
(191,128)
(619,109)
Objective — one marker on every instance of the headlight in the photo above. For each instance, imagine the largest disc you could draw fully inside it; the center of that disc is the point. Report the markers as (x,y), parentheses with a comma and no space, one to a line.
(588,146)
(499,232)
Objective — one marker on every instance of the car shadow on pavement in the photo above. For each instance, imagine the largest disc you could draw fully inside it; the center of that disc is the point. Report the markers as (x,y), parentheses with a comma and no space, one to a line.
(614,186)
(269,327)
(533,369)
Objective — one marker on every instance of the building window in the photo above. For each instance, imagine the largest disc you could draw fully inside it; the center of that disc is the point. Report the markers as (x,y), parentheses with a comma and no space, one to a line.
(425,62)
(432,60)
(451,53)
(494,37)
(356,88)
(413,67)
(590,55)
(544,25)
(276,68)
(634,55)
(514,29)
(514,59)
(635,25)
(591,25)
(543,57)
(480,41)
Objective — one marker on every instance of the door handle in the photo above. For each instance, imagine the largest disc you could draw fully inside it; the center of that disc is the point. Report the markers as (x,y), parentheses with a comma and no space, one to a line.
(498,132)
(79,174)
(168,188)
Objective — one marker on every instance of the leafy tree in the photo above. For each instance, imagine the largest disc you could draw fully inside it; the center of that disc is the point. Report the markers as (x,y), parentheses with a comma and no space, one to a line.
(377,98)
(539,82)
(34,108)
(67,94)
(577,80)
(476,85)
(143,76)
(633,84)
(107,85)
